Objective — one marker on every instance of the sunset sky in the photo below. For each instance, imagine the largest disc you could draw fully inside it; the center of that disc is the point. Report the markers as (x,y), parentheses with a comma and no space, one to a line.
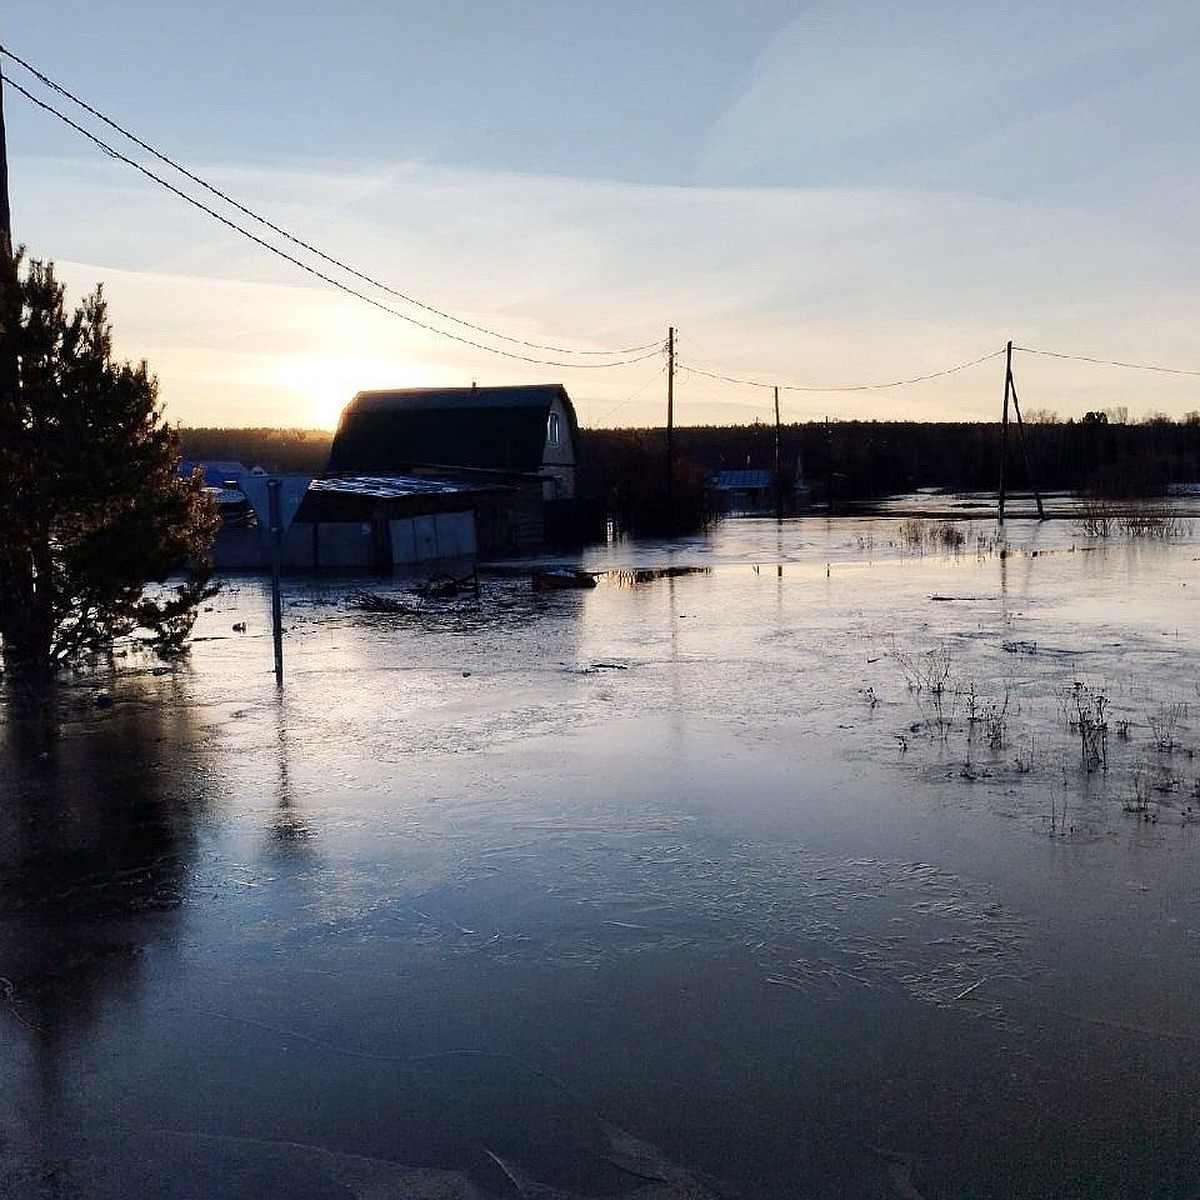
(817,195)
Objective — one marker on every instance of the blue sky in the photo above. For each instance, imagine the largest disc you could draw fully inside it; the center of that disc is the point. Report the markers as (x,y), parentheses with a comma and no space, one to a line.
(817,196)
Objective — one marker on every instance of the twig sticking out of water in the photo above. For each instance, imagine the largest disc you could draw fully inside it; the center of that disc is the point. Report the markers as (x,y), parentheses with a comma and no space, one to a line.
(1164,724)
(1088,714)
(928,678)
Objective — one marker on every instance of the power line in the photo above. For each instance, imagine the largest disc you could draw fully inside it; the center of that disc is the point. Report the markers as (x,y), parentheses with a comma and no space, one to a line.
(858,387)
(290,258)
(622,357)
(608,412)
(1107,362)
(646,350)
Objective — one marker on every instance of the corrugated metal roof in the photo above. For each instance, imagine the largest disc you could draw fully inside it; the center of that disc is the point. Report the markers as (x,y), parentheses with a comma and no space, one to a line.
(230,497)
(392,487)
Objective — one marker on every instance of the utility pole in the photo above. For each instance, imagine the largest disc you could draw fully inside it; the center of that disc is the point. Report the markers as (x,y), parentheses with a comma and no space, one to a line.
(671,428)
(1010,388)
(778,475)
(6,248)
(9,302)
(1025,448)
(1004,430)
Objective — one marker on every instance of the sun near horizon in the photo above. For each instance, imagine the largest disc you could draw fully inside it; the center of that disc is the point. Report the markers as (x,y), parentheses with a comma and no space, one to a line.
(323,385)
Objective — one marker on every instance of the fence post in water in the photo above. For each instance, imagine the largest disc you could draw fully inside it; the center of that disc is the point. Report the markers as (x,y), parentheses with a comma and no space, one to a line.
(275,525)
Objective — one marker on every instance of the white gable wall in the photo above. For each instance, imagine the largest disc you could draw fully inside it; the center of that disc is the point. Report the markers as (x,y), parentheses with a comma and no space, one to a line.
(558,457)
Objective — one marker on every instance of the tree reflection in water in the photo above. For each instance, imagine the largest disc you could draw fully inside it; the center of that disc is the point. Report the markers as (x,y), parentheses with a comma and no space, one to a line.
(98,811)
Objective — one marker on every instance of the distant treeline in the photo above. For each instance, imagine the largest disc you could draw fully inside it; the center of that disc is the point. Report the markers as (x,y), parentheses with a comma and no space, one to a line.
(858,460)
(290,451)
(839,461)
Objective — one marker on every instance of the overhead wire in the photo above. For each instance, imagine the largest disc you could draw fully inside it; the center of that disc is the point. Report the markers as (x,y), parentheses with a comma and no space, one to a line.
(857,387)
(337,283)
(623,357)
(608,412)
(1106,362)
(646,349)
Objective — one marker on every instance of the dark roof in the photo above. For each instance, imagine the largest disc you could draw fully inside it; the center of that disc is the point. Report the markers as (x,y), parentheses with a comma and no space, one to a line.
(216,474)
(744,480)
(490,428)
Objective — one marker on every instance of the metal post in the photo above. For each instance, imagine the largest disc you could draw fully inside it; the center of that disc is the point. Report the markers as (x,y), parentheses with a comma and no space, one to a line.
(275,524)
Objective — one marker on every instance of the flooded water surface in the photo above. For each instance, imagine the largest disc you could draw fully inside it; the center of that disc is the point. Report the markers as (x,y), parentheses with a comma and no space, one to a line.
(837,858)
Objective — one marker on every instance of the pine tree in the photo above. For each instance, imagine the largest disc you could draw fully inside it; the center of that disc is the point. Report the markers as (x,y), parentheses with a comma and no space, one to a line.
(94,517)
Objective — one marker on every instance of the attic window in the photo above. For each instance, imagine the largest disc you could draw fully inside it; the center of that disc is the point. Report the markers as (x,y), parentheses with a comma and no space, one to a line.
(553,429)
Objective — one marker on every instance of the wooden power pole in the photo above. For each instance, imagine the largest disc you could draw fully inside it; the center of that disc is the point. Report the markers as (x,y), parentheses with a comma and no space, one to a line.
(9,303)
(778,473)
(671,427)
(1010,389)
(6,245)
(1004,430)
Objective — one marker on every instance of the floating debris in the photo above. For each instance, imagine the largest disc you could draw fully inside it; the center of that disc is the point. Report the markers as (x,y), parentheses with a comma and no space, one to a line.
(376,602)
(1019,647)
(561,579)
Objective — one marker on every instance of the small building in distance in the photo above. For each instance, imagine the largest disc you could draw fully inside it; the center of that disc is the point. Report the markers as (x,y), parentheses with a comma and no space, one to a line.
(750,491)
(755,491)
(222,475)
(507,455)
(222,481)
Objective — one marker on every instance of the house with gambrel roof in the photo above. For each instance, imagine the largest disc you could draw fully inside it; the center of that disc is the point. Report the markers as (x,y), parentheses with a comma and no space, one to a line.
(410,463)
(527,432)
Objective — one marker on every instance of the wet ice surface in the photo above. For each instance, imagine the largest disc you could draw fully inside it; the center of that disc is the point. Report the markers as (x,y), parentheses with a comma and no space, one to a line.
(670,888)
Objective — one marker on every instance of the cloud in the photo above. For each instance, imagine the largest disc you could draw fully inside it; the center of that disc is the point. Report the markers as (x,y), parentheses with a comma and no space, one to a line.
(817,286)
(855,92)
